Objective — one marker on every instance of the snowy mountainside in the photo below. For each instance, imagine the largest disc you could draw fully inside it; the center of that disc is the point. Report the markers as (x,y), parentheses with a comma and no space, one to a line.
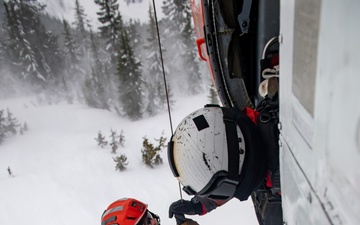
(60,175)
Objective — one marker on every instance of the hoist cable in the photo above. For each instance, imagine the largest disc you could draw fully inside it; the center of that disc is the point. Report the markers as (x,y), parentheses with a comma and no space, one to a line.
(163,70)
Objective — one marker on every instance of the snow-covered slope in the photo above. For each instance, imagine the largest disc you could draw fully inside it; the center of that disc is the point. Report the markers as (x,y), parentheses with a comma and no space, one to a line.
(62,177)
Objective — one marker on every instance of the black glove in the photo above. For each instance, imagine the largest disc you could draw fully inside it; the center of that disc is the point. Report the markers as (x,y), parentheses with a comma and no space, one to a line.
(181,207)
(180,218)
(190,222)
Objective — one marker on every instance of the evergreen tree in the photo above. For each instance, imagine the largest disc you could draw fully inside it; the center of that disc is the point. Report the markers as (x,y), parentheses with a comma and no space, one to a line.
(191,59)
(180,45)
(30,47)
(110,29)
(121,162)
(132,1)
(8,125)
(2,126)
(53,59)
(130,76)
(97,90)
(89,93)
(155,82)
(45,44)
(80,22)
(100,139)
(10,43)
(11,123)
(23,56)
(81,35)
(150,154)
(213,96)
(71,50)
(134,26)
(173,25)
(8,84)
(121,138)
(2,53)
(74,73)
(111,22)
(114,141)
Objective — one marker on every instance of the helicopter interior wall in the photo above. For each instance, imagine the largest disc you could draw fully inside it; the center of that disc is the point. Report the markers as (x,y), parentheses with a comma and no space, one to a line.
(320,141)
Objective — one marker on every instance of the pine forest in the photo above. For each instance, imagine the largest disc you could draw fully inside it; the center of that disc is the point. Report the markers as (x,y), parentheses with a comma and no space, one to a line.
(116,66)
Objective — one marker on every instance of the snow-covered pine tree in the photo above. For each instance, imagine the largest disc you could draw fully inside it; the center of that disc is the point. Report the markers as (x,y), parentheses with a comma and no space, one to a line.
(2,126)
(174,22)
(150,154)
(109,17)
(10,28)
(30,48)
(121,138)
(129,73)
(180,45)
(134,26)
(213,95)
(44,43)
(71,49)
(114,141)
(8,125)
(74,73)
(121,162)
(100,139)
(154,75)
(80,23)
(53,61)
(24,61)
(110,29)
(5,87)
(132,1)
(96,84)
(191,59)
(89,90)
(11,123)
(2,52)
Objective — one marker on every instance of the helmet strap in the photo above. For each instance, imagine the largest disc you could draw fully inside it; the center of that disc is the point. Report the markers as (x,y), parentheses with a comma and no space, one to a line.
(232,145)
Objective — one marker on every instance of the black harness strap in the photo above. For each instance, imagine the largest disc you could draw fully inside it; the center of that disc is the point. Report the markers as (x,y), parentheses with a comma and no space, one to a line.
(232,144)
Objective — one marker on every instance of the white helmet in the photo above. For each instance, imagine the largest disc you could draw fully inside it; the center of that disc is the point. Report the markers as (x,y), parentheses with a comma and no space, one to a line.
(207,152)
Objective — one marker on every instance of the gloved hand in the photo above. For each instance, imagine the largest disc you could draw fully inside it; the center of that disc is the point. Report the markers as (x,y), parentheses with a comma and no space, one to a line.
(189,222)
(181,207)
(181,220)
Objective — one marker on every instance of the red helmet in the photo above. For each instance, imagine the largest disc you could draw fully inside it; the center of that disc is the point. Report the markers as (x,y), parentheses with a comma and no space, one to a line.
(125,211)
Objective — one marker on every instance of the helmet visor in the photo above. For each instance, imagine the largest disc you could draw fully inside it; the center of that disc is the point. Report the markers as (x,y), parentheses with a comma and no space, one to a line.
(220,187)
